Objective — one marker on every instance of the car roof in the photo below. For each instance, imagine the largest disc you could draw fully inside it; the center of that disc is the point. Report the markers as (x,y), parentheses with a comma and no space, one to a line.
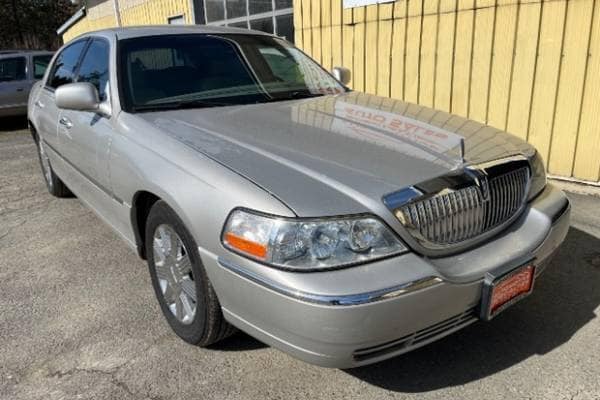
(24,52)
(160,30)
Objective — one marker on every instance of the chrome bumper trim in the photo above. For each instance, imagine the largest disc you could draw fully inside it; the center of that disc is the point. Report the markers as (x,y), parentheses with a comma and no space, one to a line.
(332,300)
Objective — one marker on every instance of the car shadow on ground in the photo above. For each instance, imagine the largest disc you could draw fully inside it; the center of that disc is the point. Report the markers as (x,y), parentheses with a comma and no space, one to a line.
(239,341)
(10,124)
(563,301)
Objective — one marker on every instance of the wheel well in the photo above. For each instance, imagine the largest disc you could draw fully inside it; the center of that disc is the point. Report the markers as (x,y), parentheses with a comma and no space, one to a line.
(140,209)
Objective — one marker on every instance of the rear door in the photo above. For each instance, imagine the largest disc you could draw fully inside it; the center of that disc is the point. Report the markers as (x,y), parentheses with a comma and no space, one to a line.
(14,86)
(63,71)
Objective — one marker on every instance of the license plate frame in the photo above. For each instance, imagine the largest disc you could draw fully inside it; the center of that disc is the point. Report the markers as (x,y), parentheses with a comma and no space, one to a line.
(495,280)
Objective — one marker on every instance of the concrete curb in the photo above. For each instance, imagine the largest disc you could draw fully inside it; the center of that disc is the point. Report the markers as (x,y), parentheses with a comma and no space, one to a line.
(576,187)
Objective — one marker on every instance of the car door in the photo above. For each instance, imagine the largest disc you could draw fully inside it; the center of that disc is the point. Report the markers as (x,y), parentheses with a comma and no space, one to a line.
(14,86)
(84,135)
(45,111)
(85,139)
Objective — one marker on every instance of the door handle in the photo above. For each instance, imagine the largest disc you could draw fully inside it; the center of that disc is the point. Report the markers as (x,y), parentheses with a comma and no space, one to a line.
(40,104)
(20,89)
(66,122)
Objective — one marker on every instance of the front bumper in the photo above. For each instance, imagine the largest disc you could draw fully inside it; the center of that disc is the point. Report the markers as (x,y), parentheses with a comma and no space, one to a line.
(361,315)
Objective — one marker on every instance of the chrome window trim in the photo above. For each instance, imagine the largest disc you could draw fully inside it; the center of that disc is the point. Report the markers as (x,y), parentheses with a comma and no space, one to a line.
(331,300)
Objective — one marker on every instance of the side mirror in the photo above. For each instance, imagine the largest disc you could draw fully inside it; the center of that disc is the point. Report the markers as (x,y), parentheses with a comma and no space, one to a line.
(341,74)
(80,96)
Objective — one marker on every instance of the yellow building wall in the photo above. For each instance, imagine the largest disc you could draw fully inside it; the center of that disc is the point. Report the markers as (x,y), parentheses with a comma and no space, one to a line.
(530,67)
(155,12)
(101,15)
(87,25)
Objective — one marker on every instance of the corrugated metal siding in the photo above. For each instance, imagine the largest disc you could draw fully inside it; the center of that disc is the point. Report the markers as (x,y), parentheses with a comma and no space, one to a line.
(100,14)
(155,12)
(530,67)
(88,24)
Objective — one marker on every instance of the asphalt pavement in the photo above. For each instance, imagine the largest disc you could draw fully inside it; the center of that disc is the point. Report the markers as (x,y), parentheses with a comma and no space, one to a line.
(78,320)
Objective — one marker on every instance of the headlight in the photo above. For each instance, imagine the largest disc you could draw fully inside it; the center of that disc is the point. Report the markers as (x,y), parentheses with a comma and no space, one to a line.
(538,175)
(308,244)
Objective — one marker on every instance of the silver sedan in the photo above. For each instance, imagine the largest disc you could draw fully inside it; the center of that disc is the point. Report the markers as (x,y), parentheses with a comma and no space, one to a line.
(340,227)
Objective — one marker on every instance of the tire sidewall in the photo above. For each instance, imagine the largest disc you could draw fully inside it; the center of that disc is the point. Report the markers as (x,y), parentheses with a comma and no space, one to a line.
(163,214)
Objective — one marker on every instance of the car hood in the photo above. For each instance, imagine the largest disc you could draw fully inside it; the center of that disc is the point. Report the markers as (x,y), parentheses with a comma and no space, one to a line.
(337,154)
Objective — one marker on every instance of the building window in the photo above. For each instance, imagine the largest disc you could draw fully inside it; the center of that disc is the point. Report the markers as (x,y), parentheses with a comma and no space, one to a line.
(214,10)
(272,16)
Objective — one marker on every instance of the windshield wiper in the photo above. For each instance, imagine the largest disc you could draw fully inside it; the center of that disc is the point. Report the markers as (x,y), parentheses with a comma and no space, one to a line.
(304,95)
(294,96)
(179,105)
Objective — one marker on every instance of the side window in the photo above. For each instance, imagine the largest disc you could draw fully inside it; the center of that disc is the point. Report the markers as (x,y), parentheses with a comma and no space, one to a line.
(64,67)
(12,69)
(94,67)
(40,63)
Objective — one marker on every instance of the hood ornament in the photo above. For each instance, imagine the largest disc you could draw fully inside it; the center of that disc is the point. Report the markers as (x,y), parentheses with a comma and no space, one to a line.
(459,159)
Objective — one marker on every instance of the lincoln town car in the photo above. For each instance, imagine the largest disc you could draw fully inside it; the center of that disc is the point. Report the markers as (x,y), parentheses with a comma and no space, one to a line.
(266,196)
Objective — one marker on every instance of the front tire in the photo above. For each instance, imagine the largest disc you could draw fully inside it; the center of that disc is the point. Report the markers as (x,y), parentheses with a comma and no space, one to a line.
(55,185)
(184,292)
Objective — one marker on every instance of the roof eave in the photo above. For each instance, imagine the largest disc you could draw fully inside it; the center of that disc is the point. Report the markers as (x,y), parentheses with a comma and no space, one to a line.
(71,21)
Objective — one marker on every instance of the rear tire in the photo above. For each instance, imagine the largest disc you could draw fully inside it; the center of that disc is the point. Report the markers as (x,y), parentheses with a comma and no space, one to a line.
(183,290)
(55,185)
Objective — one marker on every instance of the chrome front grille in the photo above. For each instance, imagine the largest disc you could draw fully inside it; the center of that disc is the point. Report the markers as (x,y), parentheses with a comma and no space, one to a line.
(456,215)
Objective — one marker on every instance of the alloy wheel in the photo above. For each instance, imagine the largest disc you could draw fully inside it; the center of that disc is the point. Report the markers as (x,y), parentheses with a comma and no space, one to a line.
(174,273)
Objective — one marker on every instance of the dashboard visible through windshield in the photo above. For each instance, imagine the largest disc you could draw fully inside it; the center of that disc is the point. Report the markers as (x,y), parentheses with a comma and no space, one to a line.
(209,70)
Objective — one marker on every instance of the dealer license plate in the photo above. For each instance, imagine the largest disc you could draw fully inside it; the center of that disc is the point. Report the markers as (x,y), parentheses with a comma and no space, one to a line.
(499,293)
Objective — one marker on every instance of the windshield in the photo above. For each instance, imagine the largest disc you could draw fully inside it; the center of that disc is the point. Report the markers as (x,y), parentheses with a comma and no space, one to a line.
(201,70)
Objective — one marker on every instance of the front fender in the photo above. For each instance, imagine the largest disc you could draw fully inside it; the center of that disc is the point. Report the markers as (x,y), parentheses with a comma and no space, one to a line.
(200,190)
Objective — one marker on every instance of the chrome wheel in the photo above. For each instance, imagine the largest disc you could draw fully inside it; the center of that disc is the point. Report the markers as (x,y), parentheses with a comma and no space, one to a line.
(46,170)
(174,273)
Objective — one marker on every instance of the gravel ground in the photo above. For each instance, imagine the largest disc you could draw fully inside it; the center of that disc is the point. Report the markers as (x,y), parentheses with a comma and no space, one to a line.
(78,320)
